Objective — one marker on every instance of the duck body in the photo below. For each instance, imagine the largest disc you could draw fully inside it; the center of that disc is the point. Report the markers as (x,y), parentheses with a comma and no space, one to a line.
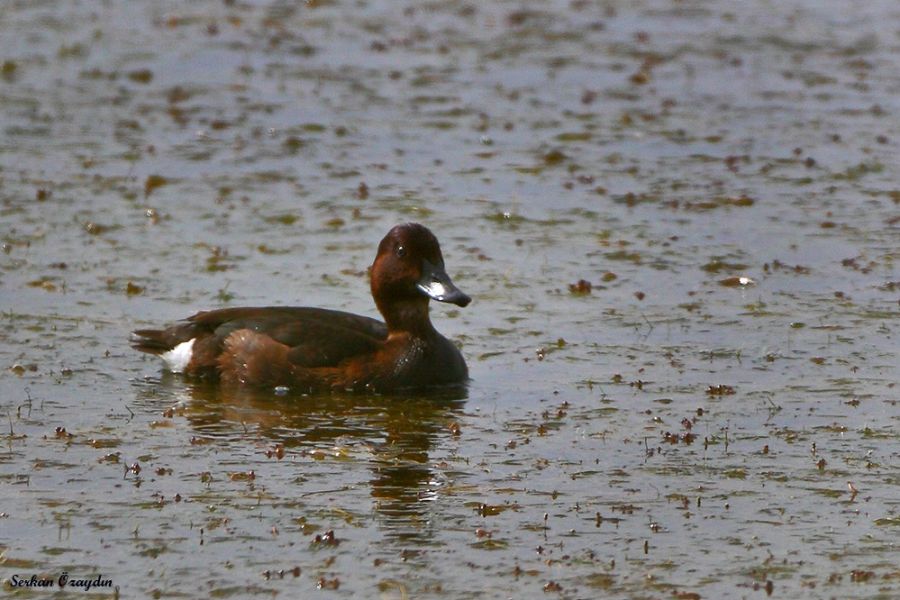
(310,349)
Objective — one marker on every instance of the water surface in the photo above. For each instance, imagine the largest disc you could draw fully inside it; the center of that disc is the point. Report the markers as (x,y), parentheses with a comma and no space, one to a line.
(692,423)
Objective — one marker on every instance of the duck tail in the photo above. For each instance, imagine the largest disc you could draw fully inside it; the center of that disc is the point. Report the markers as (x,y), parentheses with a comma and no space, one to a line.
(160,341)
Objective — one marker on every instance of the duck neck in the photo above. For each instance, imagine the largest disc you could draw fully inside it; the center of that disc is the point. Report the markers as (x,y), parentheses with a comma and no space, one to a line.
(409,316)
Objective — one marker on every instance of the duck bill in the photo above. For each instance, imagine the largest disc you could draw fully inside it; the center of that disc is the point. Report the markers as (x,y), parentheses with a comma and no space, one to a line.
(436,284)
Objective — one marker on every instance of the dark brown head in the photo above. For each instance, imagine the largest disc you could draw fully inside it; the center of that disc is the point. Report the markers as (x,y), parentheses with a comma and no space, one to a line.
(408,270)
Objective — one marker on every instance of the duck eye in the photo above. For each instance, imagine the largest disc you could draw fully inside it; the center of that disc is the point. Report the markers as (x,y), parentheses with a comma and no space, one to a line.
(401,251)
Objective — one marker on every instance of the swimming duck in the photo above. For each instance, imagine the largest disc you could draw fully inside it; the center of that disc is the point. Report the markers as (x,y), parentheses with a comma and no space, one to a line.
(308,349)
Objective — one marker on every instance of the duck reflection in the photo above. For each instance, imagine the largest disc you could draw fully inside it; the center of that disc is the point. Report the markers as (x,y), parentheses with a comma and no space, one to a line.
(398,431)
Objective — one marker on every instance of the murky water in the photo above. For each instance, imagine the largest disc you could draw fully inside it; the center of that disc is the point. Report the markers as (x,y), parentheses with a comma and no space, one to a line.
(671,430)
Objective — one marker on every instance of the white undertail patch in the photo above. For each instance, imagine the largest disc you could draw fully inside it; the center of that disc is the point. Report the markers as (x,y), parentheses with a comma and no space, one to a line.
(177,358)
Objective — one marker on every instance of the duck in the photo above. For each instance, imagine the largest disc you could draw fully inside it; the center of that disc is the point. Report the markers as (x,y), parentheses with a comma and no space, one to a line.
(317,349)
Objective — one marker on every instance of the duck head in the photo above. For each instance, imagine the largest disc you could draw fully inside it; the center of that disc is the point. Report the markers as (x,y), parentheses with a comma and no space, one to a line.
(407,272)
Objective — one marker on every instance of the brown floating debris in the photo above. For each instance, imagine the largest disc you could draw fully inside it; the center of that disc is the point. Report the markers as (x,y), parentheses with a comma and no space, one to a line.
(552,586)
(277,451)
(141,76)
(716,265)
(719,390)
(328,584)
(95,228)
(328,538)
(242,476)
(858,575)
(554,157)
(582,287)
(737,282)
(152,182)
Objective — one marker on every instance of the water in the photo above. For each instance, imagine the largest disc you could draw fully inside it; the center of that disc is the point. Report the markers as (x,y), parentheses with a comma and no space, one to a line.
(669,432)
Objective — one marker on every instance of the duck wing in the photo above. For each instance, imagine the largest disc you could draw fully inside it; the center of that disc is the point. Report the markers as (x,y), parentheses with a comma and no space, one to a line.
(314,337)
